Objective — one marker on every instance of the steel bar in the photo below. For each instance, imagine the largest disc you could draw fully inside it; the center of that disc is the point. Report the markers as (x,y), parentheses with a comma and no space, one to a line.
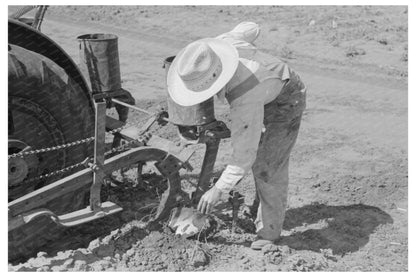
(210,156)
(136,108)
(99,150)
(83,178)
(131,106)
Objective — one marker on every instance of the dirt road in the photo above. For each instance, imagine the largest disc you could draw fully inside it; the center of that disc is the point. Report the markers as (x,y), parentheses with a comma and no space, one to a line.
(348,198)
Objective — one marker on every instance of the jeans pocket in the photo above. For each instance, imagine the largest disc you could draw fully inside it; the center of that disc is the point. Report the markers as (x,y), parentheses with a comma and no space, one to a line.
(298,102)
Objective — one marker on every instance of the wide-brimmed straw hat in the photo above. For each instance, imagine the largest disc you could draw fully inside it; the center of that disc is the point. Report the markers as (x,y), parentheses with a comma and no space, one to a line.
(201,70)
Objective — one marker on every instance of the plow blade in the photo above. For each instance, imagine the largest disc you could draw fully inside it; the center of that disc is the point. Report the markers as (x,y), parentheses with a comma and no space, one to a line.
(69,219)
(86,215)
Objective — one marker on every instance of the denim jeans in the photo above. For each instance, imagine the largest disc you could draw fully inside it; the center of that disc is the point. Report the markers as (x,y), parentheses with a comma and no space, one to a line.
(282,119)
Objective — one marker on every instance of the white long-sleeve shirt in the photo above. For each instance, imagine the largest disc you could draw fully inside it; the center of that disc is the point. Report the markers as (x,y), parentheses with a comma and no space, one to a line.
(257,81)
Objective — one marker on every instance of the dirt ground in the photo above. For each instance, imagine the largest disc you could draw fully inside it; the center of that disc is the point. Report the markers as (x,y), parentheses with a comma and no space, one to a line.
(348,193)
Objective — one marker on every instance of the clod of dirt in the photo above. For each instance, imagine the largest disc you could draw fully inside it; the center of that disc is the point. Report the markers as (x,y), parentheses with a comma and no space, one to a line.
(285,250)
(309,262)
(274,258)
(329,255)
(353,51)
(199,257)
(269,248)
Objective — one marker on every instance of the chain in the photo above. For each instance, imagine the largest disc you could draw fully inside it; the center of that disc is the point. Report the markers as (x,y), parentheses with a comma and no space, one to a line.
(53,148)
(54,173)
(75,143)
(71,144)
(141,140)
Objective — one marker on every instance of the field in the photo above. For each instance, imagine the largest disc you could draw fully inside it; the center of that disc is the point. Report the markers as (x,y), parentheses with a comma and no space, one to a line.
(348,192)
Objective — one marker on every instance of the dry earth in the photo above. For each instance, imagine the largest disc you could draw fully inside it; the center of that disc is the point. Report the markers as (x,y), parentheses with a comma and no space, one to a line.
(348,194)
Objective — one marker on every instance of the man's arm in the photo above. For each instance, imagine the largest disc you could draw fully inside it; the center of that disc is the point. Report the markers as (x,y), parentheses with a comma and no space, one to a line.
(246,127)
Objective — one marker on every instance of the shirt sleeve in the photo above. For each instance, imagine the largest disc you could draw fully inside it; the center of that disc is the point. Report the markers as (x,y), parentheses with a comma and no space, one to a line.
(246,128)
(229,178)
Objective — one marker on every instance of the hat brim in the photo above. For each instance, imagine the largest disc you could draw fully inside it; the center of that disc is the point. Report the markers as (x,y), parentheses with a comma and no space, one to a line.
(183,96)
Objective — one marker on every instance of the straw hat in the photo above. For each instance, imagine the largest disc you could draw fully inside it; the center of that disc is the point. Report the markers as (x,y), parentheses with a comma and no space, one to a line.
(201,70)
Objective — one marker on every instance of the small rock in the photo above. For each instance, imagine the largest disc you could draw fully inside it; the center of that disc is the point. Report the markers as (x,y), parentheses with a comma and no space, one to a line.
(285,250)
(199,258)
(312,22)
(269,248)
(64,255)
(42,254)
(43,268)
(68,262)
(94,244)
(104,250)
(224,258)
(105,264)
(317,185)
(245,260)
(274,257)
(78,255)
(57,268)
(80,265)
(130,252)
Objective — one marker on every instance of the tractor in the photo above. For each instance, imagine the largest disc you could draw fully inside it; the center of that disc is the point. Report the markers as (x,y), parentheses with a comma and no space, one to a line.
(57,125)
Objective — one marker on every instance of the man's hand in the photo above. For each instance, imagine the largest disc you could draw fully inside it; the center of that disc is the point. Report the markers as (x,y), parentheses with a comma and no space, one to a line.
(209,200)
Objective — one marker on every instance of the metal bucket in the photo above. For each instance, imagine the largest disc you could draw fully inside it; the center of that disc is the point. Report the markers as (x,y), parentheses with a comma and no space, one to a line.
(99,61)
(195,115)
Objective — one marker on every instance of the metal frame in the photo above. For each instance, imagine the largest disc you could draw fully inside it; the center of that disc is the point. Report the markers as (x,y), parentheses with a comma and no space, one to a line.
(24,209)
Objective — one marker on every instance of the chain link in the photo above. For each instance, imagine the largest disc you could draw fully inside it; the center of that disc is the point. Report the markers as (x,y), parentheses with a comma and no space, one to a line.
(71,144)
(51,174)
(52,148)
(142,139)
(75,143)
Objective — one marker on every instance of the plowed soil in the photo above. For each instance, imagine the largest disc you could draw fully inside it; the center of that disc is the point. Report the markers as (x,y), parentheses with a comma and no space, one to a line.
(348,193)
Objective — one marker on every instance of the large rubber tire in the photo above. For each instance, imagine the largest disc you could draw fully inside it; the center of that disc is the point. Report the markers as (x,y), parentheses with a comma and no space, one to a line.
(48,108)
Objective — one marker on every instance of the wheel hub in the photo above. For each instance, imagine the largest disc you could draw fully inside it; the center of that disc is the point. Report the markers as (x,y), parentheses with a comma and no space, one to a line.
(18,170)
(20,166)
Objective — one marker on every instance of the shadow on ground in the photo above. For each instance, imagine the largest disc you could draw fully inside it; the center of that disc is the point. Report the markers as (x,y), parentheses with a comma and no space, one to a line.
(343,228)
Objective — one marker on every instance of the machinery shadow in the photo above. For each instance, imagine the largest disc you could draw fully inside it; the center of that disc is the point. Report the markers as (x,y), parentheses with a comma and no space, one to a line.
(342,229)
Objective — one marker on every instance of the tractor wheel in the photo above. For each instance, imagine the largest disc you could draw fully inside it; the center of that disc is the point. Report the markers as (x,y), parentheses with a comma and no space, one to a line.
(46,108)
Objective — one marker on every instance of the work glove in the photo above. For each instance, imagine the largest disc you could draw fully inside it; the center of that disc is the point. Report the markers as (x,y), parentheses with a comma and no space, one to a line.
(209,199)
